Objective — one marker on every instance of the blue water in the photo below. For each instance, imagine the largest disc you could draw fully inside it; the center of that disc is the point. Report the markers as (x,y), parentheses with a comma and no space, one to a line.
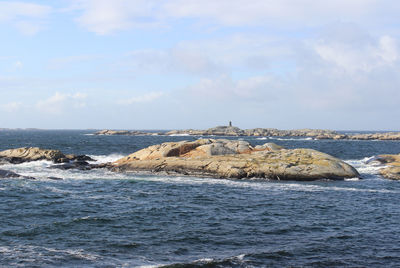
(102,219)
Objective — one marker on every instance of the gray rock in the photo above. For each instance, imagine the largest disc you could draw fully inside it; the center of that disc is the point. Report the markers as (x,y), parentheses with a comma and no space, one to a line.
(9,174)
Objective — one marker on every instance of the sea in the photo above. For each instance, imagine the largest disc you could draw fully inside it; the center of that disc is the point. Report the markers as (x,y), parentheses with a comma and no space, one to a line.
(99,218)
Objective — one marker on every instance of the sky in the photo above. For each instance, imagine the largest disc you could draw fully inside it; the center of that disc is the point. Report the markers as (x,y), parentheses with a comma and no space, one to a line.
(177,64)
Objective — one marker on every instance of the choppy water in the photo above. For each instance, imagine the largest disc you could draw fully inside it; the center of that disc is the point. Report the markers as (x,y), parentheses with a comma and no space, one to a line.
(102,219)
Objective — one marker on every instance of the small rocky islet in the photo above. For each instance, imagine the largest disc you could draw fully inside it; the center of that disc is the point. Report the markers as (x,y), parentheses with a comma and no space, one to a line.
(221,158)
(261,132)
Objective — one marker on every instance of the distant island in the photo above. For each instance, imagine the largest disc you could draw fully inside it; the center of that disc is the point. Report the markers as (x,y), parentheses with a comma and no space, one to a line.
(261,132)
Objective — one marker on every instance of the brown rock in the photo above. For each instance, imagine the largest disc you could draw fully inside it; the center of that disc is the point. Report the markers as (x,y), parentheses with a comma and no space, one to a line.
(31,154)
(392,166)
(235,159)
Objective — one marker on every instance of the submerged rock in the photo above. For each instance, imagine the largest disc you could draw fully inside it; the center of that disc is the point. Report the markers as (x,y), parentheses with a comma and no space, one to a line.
(392,166)
(54,178)
(9,174)
(82,165)
(235,159)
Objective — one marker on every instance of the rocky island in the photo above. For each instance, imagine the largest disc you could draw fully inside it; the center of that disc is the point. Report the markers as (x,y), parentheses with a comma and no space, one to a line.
(221,158)
(262,132)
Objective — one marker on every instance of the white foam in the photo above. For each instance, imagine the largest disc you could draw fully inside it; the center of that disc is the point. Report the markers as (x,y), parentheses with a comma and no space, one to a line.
(240,257)
(352,179)
(292,139)
(262,184)
(365,166)
(106,158)
(29,253)
(179,135)
(263,138)
(206,260)
(41,171)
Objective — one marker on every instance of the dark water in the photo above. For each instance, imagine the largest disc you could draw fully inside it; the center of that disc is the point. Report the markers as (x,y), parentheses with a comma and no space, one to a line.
(102,219)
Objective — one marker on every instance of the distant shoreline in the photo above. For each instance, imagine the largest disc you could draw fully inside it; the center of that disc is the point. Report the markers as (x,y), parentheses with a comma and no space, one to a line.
(260,132)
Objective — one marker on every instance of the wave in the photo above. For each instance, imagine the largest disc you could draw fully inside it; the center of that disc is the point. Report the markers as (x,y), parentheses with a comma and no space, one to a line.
(235,261)
(179,135)
(271,186)
(41,169)
(292,139)
(366,165)
(100,159)
(31,254)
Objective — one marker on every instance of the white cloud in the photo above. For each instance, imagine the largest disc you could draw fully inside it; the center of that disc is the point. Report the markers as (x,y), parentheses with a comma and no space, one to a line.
(11,107)
(388,49)
(28,18)
(149,97)
(104,16)
(211,58)
(59,63)
(258,12)
(265,88)
(359,57)
(177,59)
(342,70)
(60,102)
(18,65)
(347,70)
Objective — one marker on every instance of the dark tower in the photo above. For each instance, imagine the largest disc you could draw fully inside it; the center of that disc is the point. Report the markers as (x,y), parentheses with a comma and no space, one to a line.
(230,123)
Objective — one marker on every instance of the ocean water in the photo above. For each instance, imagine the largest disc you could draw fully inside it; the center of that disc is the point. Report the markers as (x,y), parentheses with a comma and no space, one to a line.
(98,218)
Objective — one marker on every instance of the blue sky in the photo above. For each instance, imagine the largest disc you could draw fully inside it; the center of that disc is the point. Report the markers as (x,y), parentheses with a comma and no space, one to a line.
(166,64)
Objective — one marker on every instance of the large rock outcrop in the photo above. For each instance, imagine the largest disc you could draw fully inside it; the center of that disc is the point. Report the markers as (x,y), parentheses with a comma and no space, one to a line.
(392,166)
(235,159)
